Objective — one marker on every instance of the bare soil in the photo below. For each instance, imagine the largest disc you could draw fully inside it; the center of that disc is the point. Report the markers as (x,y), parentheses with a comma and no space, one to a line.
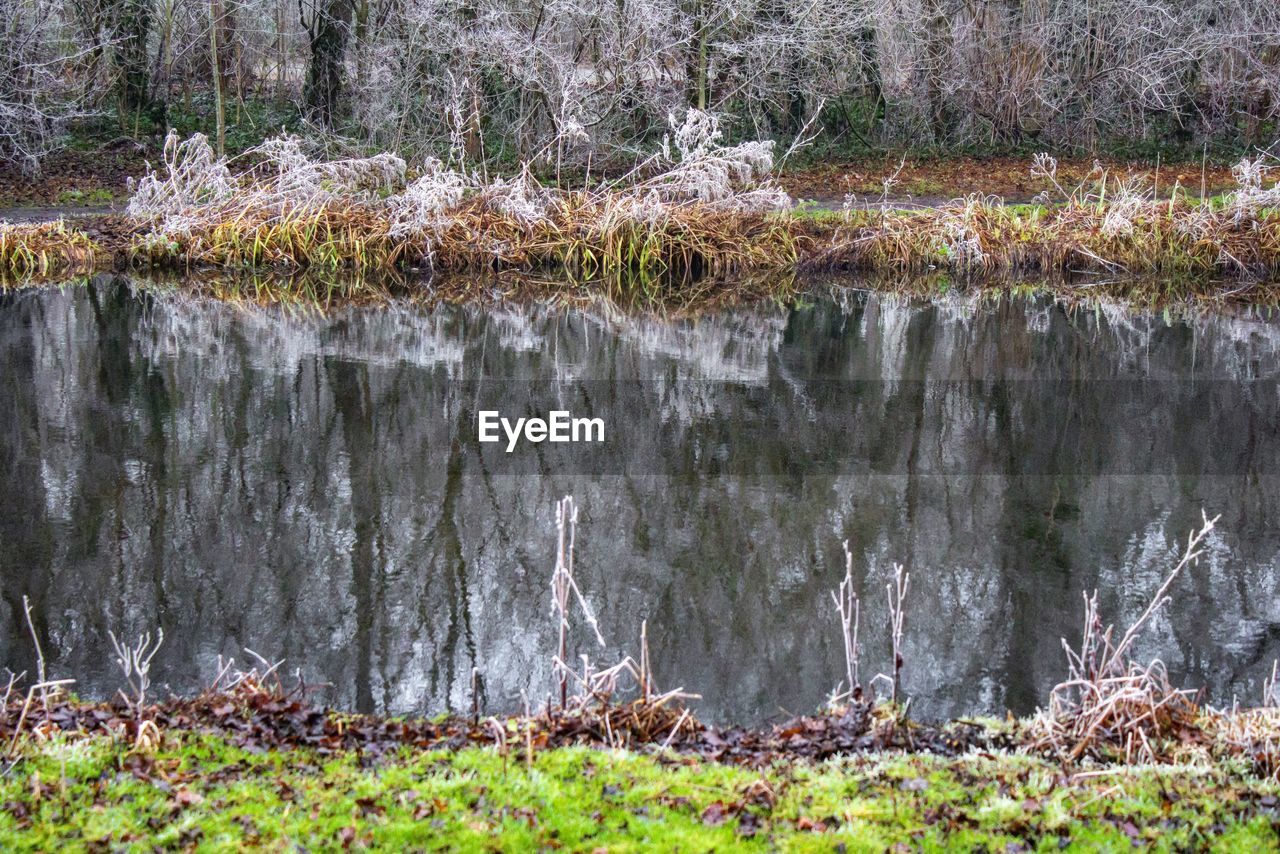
(934,181)
(76,181)
(74,178)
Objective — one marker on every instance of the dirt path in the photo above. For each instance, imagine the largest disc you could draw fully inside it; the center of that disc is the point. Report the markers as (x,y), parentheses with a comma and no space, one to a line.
(49,214)
(919,183)
(929,182)
(896,203)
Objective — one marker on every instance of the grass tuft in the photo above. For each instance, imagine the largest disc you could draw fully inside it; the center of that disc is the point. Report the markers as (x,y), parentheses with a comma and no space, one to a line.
(44,249)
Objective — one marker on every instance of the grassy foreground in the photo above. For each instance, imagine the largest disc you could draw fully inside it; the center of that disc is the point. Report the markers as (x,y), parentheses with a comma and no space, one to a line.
(199,790)
(1121,758)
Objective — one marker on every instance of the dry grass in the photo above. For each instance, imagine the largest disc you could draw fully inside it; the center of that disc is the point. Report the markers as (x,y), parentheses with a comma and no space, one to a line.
(659,232)
(984,236)
(579,236)
(332,235)
(1101,224)
(587,236)
(583,237)
(44,249)
(1111,706)
(1252,735)
(701,215)
(594,704)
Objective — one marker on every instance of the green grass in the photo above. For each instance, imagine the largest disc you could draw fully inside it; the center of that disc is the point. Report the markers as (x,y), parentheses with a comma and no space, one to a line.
(200,791)
(248,122)
(92,196)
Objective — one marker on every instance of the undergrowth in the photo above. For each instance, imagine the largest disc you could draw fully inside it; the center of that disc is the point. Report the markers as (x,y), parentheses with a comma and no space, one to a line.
(698,210)
(1100,224)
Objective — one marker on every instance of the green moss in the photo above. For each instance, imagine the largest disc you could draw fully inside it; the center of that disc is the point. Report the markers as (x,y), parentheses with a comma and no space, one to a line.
(91,196)
(199,790)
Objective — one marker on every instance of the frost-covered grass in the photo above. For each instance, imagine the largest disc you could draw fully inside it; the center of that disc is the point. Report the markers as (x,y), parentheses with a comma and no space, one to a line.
(202,791)
(698,209)
(1097,224)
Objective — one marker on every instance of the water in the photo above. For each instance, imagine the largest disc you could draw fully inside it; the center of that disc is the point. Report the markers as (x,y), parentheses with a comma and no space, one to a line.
(310,487)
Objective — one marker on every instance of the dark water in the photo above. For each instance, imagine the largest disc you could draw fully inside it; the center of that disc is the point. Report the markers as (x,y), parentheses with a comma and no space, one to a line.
(311,488)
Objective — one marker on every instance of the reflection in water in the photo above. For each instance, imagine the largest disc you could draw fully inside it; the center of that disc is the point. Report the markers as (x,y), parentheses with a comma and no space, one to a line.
(309,487)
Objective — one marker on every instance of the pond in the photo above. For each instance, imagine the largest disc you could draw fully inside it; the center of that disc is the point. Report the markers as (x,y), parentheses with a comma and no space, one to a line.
(310,486)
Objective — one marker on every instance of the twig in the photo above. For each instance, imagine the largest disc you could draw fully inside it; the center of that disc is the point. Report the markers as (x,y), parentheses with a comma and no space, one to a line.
(849,608)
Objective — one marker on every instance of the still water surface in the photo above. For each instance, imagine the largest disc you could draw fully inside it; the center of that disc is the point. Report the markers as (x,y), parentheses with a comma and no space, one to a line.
(310,486)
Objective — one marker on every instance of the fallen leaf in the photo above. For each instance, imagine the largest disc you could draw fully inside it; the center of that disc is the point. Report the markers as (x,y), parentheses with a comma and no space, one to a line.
(714,815)
(187,798)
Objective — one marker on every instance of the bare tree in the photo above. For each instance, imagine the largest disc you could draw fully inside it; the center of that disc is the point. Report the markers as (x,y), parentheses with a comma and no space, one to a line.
(572,82)
(36,100)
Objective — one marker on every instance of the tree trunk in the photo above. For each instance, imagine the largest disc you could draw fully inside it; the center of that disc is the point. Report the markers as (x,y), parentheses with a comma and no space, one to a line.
(220,122)
(697,55)
(937,49)
(328,31)
(130,26)
(875,85)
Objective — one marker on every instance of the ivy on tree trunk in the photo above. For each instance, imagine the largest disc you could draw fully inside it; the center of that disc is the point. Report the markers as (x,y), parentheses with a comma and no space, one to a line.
(129,23)
(328,31)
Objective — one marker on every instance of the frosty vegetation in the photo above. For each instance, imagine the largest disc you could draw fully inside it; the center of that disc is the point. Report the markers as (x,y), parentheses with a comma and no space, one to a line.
(197,188)
(196,184)
(567,82)
(697,206)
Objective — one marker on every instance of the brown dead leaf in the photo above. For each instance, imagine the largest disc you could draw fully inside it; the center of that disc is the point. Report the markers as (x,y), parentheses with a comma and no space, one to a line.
(188,798)
(716,814)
